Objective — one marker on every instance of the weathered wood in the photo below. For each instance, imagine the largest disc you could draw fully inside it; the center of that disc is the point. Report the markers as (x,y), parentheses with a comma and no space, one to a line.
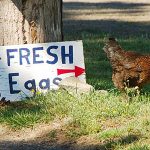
(30,21)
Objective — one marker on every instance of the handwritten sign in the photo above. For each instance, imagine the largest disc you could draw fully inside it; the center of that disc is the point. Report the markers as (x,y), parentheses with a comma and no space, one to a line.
(31,67)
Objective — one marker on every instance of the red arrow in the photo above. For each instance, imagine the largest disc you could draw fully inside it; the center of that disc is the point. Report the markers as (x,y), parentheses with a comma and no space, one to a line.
(77,70)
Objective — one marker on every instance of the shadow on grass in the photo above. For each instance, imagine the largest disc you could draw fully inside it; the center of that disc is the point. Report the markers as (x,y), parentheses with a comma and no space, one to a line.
(20,114)
(124,29)
(103,5)
(25,105)
(128,28)
(69,145)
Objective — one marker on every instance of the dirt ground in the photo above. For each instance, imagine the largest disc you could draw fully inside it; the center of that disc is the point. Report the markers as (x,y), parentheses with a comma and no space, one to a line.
(120,17)
(129,17)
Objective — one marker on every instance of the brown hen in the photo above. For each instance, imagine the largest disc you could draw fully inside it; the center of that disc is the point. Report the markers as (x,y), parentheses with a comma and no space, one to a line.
(130,69)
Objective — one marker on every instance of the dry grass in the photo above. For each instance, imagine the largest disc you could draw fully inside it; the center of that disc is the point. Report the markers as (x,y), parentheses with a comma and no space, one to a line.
(126,17)
(130,11)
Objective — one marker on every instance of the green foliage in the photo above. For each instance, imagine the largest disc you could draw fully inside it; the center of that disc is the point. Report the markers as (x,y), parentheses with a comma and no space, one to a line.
(110,117)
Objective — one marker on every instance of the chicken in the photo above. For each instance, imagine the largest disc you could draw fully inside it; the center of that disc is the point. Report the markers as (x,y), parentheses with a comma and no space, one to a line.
(130,69)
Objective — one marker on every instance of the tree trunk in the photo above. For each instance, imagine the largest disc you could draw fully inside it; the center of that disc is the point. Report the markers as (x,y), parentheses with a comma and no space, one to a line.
(30,21)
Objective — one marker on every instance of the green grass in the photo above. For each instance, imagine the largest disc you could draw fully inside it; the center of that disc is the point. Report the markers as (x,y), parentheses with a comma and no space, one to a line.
(138,147)
(112,120)
(98,68)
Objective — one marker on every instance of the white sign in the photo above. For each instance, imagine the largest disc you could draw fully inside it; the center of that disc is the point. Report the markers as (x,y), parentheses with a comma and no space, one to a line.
(32,67)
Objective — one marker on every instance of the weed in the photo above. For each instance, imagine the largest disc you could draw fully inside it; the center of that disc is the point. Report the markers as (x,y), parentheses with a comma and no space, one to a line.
(138,147)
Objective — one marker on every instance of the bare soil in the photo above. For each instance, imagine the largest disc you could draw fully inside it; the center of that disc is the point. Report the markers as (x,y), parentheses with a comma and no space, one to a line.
(126,17)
